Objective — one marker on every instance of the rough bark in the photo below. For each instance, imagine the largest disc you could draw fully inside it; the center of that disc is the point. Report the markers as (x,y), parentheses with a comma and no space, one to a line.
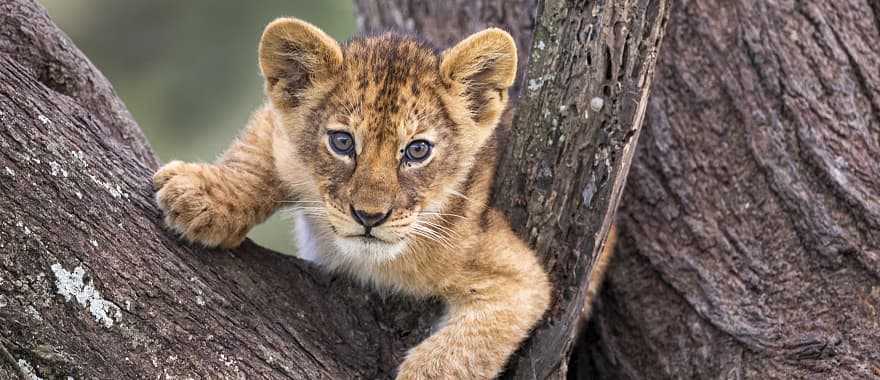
(91,286)
(750,227)
(573,135)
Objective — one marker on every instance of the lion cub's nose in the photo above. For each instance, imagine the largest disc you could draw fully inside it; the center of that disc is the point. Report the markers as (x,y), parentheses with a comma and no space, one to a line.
(369,219)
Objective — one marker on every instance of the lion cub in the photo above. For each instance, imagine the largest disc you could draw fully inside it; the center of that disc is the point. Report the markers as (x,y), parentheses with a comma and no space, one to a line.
(385,148)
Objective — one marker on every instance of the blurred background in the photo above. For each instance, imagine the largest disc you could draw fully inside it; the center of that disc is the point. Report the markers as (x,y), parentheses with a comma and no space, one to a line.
(190,81)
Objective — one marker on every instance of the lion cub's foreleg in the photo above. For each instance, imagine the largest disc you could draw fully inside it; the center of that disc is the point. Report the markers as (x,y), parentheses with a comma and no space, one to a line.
(217,204)
(490,313)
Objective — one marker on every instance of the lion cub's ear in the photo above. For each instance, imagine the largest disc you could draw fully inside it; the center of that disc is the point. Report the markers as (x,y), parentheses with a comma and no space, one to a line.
(294,55)
(484,66)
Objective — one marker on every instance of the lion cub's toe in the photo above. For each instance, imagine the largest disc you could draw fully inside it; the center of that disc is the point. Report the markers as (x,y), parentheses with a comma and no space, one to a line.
(196,205)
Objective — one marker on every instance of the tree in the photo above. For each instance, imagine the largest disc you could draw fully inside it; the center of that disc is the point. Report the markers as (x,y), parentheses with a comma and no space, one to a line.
(93,287)
(750,227)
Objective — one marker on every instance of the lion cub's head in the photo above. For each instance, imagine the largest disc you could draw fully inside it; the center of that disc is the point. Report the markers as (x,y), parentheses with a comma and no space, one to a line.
(379,133)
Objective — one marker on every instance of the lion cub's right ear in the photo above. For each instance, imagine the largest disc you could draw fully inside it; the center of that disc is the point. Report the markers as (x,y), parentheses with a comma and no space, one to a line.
(294,55)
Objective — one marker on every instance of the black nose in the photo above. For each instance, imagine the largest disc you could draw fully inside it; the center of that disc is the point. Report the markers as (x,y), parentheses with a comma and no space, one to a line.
(369,219)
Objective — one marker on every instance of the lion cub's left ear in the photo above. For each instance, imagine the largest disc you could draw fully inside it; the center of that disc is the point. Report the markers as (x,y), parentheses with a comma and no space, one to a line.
(484,66)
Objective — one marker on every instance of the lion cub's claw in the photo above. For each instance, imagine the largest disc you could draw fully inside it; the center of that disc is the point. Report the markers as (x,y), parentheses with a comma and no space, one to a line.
(193,201)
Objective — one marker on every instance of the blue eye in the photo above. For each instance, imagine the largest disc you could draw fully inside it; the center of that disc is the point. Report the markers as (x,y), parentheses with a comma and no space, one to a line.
(342,143)
(417,151)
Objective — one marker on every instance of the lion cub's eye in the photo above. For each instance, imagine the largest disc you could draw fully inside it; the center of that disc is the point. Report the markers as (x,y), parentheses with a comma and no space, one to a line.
(341,142)
(417,151)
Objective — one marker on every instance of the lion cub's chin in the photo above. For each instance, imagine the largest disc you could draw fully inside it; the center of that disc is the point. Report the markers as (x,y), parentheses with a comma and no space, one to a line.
(372,250)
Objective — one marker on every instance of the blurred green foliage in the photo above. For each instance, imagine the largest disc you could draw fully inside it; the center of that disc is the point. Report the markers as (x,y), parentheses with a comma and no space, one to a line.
(187,70)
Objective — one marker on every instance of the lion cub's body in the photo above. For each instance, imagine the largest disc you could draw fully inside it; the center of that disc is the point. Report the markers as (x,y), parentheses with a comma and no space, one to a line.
(437,238)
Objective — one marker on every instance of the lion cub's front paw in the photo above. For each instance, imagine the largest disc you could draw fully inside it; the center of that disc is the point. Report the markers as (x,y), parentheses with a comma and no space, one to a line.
(412,370)
(443,359)
(198,205)
(418,367)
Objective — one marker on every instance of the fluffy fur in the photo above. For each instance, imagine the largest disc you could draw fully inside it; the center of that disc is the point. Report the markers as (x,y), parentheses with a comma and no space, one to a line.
(440,238)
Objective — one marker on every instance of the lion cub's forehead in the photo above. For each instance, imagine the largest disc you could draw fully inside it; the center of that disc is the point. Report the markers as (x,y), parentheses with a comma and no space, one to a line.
(391,59)
(393,78)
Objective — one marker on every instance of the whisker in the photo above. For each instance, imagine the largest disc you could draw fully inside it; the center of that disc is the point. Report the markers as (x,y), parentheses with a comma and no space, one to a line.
(430,237)
(322,212)
(436,235)
(313,211)
(397,225)
(420,235)
(441,214)
(298,183)
(418,227)
(441,227)
(460,195)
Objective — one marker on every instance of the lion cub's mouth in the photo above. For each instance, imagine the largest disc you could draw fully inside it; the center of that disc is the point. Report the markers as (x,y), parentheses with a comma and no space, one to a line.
(372,246)
(367,238)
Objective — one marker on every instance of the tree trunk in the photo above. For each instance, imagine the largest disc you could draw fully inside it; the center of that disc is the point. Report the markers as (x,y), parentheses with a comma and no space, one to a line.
(573,134)
(750,228)
(91,286)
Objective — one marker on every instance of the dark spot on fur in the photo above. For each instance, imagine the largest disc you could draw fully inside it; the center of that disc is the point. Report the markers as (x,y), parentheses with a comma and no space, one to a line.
(485,221)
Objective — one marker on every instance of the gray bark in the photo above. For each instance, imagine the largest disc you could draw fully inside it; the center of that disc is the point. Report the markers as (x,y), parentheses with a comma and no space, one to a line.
(750,227)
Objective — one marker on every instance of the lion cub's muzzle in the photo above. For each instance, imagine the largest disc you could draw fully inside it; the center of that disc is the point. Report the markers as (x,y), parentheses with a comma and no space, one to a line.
(369,219)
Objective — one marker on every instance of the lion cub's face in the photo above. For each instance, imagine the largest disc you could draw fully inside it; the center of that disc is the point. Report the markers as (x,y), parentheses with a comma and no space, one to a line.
(387,128)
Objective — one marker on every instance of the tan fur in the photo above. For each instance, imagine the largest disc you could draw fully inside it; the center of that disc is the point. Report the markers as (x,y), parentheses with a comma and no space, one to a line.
(597,274)
(440,238)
